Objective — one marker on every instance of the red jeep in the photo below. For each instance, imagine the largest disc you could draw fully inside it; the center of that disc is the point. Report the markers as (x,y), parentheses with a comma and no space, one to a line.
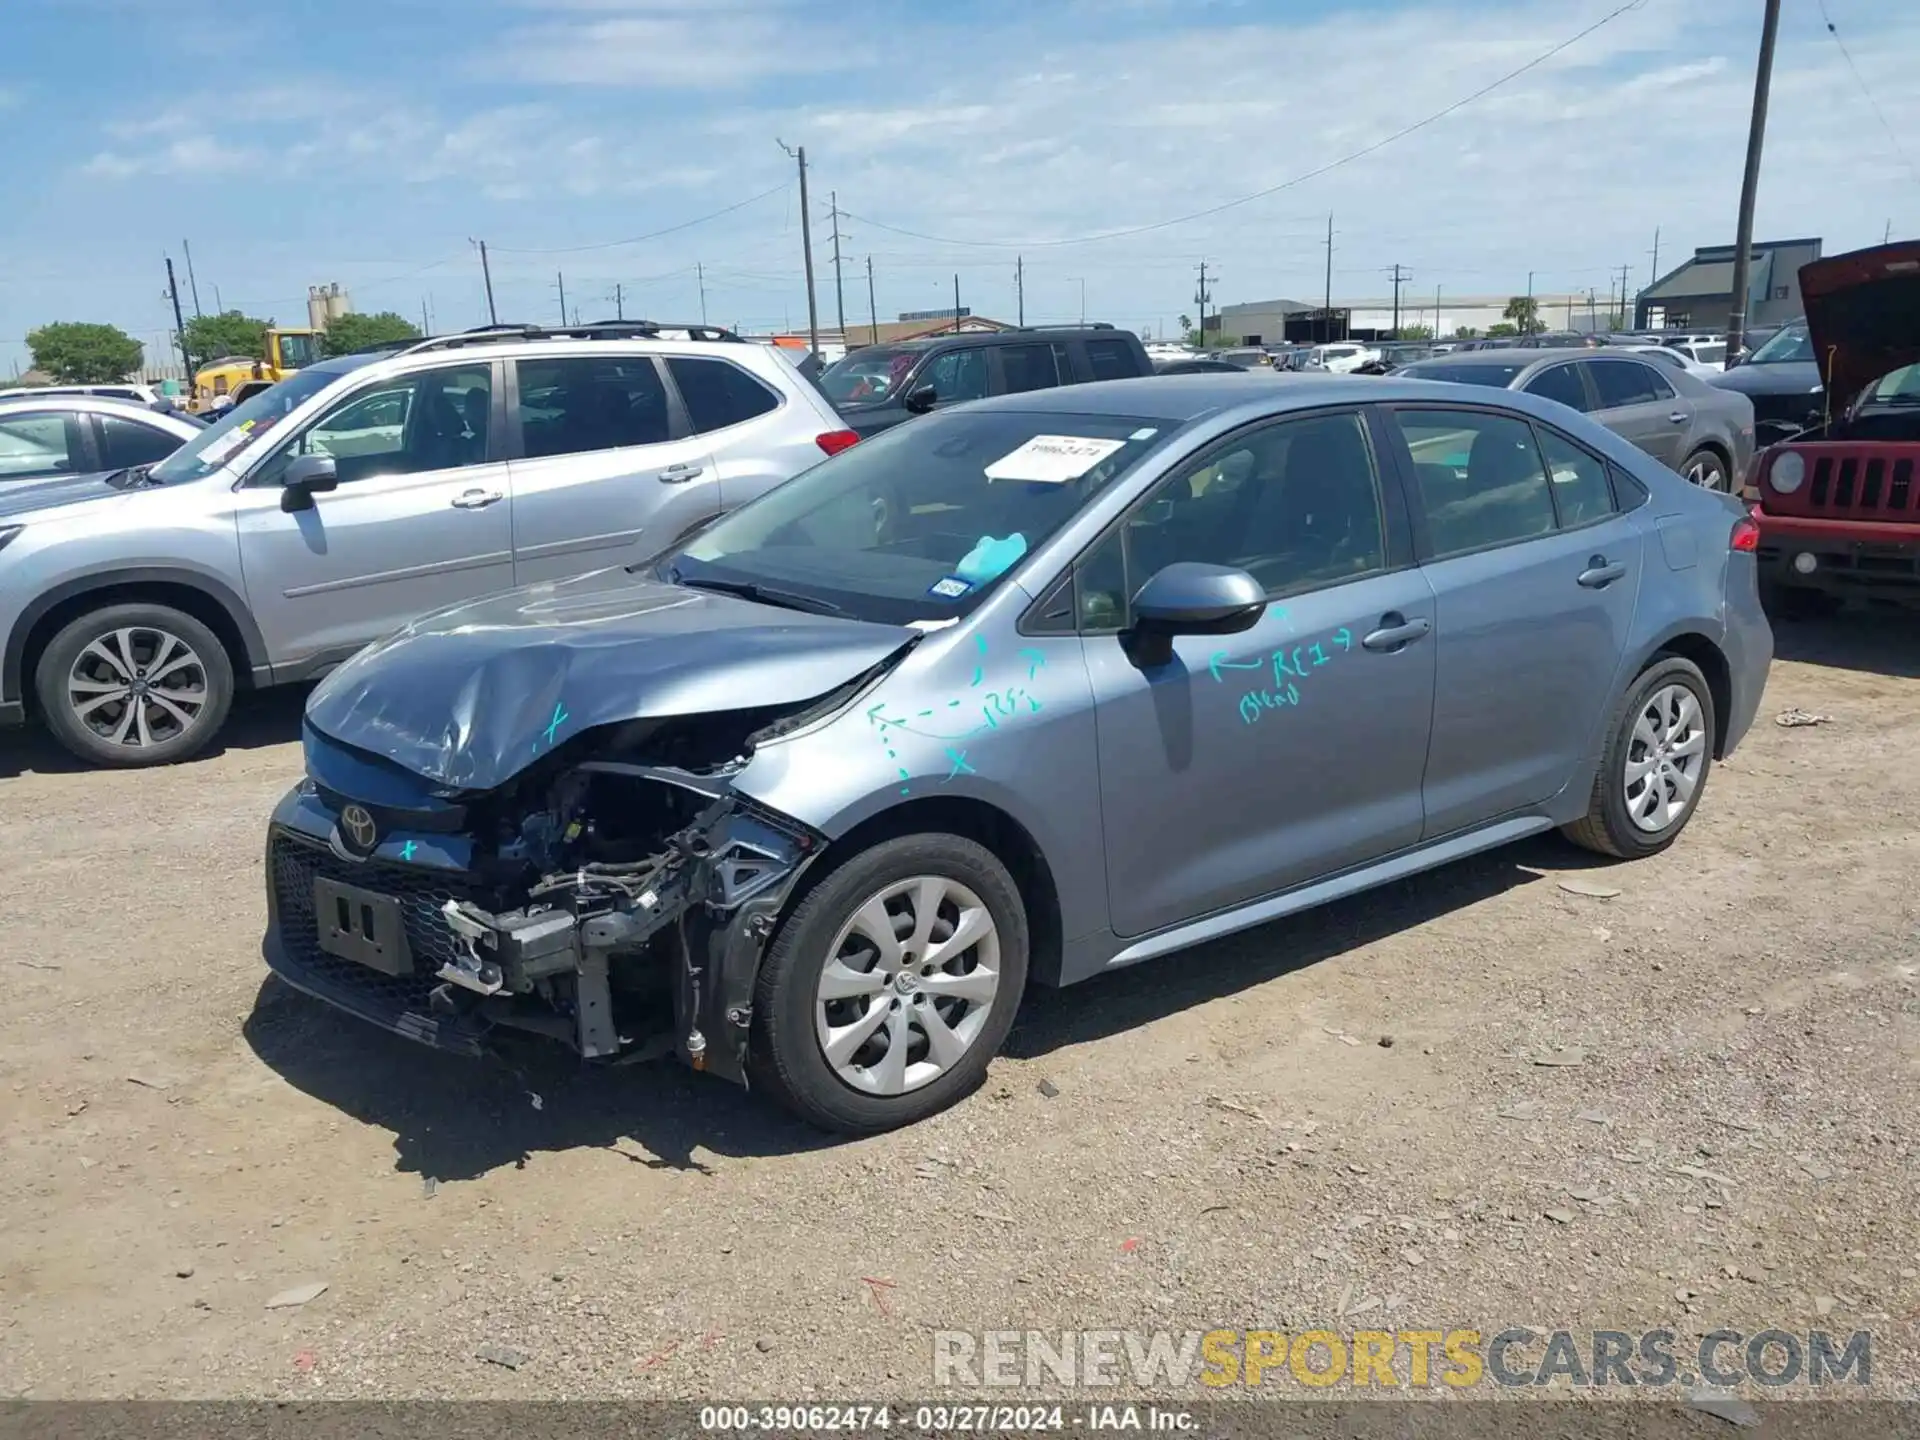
(1839,504)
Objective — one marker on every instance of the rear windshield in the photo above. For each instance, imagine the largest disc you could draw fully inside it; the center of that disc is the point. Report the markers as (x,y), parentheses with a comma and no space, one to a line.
(867,377)
(1498,376)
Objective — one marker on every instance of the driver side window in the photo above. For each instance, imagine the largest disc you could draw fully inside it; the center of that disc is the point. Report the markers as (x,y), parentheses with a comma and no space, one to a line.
(435,420)
(955,376)
(1295,504)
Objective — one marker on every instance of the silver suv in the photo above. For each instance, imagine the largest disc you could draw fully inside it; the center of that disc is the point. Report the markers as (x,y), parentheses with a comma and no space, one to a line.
(367,490)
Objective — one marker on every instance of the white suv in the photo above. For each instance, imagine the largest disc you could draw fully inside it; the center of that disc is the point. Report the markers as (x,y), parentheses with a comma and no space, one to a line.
(367,490)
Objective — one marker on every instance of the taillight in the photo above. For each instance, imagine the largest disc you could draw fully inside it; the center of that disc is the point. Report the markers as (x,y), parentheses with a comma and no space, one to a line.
(834,441)
(1746,534)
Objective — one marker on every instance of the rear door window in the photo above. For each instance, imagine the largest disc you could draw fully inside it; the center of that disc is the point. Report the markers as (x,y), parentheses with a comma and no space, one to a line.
(35,445)
(1028,367)
(578,404)
(1479,476)
(719,394)
(1626,382)
(1111,359)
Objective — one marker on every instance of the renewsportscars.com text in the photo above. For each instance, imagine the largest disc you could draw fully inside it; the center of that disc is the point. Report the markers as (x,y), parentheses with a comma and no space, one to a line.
(1395,1359)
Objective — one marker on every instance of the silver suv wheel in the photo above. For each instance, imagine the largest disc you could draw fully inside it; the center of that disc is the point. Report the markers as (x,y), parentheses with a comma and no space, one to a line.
(138,687)
(908,985)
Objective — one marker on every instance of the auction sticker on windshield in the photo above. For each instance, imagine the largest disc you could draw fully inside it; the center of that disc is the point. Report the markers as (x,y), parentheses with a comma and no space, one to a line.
(1052,459)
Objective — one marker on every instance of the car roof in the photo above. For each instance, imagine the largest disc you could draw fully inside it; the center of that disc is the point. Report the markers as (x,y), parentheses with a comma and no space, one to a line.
(988,337)
(103,404)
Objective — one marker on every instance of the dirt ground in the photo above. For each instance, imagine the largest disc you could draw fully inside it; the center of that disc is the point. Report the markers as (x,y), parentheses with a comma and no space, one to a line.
(1230,1139)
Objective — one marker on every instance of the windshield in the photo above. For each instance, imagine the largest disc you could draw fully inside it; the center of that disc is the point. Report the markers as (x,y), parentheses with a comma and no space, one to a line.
(298,351)
(1902,387)
(1464,373)
(214,446)
(919,523)
(1791,343)
(867,377)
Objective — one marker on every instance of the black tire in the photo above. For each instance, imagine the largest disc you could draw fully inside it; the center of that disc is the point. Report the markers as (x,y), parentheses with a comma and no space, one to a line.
(171,741)
(1606,827)
(785,1055)
(1715,474)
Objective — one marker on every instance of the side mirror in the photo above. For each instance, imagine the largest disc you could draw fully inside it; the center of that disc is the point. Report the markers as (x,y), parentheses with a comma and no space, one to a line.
(921,399)
(1189,598)
(305,477)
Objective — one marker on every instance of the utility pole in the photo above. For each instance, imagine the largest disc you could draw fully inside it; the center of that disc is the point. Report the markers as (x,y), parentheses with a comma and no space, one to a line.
(873,311)
(1020,291)
(1398,277)
(1527,327)
(806,246)
(1653,276)
(1621,312)
(956,304)
(179,322)
(1591,322)
(1083,302)
(619,302)
(192,284)
(1436,314)
(1327,304)
(1886,235)
(426,325)
(486,272)
(839,293)
(561,280)
(700,275)
(1750,182)
(1201,296)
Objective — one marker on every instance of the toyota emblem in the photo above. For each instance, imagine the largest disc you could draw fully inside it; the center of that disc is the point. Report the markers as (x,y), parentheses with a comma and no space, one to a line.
(357,830)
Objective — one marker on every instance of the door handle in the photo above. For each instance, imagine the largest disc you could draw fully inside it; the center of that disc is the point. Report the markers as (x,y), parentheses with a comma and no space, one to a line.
(680,474)
(476,499)
(1678,417)
(1396,631)
(1600,573)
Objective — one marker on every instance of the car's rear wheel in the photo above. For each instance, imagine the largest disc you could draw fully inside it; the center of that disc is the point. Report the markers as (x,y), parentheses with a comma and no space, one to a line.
(892,985)
(133,685)
(1705,468)
(1659,750)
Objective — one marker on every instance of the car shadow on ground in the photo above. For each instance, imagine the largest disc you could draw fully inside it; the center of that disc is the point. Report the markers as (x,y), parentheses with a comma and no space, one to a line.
(456,1119)
(1879,639)
(259,719)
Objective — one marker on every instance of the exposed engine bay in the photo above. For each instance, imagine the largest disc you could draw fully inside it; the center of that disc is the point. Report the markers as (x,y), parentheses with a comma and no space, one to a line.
(630,879)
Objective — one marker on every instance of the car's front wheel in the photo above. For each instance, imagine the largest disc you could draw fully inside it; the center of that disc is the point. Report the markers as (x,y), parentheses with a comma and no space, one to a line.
(132,685)
(891,985)
(1659,750)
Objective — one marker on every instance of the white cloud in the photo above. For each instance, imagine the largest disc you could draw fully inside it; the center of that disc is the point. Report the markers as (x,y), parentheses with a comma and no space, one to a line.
(689,45)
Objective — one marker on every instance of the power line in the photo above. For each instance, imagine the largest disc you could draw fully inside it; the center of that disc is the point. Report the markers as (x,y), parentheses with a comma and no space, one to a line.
(637,239)
(1331,165)
(1893,138)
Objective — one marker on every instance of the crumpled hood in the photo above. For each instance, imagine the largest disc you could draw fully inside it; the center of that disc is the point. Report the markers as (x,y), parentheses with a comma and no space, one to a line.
(470,696)
(30,497)
(1863,314)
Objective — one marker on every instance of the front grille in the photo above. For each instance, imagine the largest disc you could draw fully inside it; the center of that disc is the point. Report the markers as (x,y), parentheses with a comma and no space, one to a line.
(296,862)
(1846,480)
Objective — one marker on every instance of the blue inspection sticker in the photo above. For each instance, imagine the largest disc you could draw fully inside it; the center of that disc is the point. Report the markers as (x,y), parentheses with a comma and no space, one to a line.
(950,588)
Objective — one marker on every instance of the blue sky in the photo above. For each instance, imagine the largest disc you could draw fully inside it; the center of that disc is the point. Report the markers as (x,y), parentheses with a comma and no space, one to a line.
(297,143)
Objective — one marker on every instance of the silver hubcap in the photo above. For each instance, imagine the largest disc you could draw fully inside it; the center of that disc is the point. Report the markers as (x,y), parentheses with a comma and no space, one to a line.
(1705,471)
(908,985)
(138,687)
(1664,758)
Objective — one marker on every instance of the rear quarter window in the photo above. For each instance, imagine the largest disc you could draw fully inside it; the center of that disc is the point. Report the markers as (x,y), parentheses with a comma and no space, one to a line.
(719,394)
(1112,360)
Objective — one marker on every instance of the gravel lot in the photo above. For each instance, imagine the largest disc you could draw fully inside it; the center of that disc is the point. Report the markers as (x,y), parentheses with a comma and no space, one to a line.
(1339,1120)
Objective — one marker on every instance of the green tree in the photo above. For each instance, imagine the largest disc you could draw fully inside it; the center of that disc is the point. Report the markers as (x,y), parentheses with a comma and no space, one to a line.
(1186,324)
(210,337)
(76,353)
(348,333)
(1524,311)
(1496,332)
(1416,332)
(1466,332)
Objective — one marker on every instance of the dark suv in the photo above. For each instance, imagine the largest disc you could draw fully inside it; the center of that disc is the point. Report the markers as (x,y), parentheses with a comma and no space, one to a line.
(878,386)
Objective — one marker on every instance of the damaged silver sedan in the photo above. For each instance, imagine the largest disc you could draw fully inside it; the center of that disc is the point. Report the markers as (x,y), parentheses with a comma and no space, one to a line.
(1018,692)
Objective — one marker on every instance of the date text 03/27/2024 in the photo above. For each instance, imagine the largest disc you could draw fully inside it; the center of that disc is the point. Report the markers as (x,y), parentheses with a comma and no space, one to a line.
(943,1419)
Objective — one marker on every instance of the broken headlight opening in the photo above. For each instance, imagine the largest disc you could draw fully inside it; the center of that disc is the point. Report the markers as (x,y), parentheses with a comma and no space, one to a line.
(622,931)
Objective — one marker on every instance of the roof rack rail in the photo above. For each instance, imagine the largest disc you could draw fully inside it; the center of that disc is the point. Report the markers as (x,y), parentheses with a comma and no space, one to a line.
(594,330)
(1089,325)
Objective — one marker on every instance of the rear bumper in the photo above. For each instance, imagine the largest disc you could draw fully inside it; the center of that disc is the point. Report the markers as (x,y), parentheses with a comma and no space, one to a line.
(1852,557)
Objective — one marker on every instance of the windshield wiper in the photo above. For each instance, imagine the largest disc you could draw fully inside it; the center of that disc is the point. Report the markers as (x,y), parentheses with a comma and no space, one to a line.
(748,590)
